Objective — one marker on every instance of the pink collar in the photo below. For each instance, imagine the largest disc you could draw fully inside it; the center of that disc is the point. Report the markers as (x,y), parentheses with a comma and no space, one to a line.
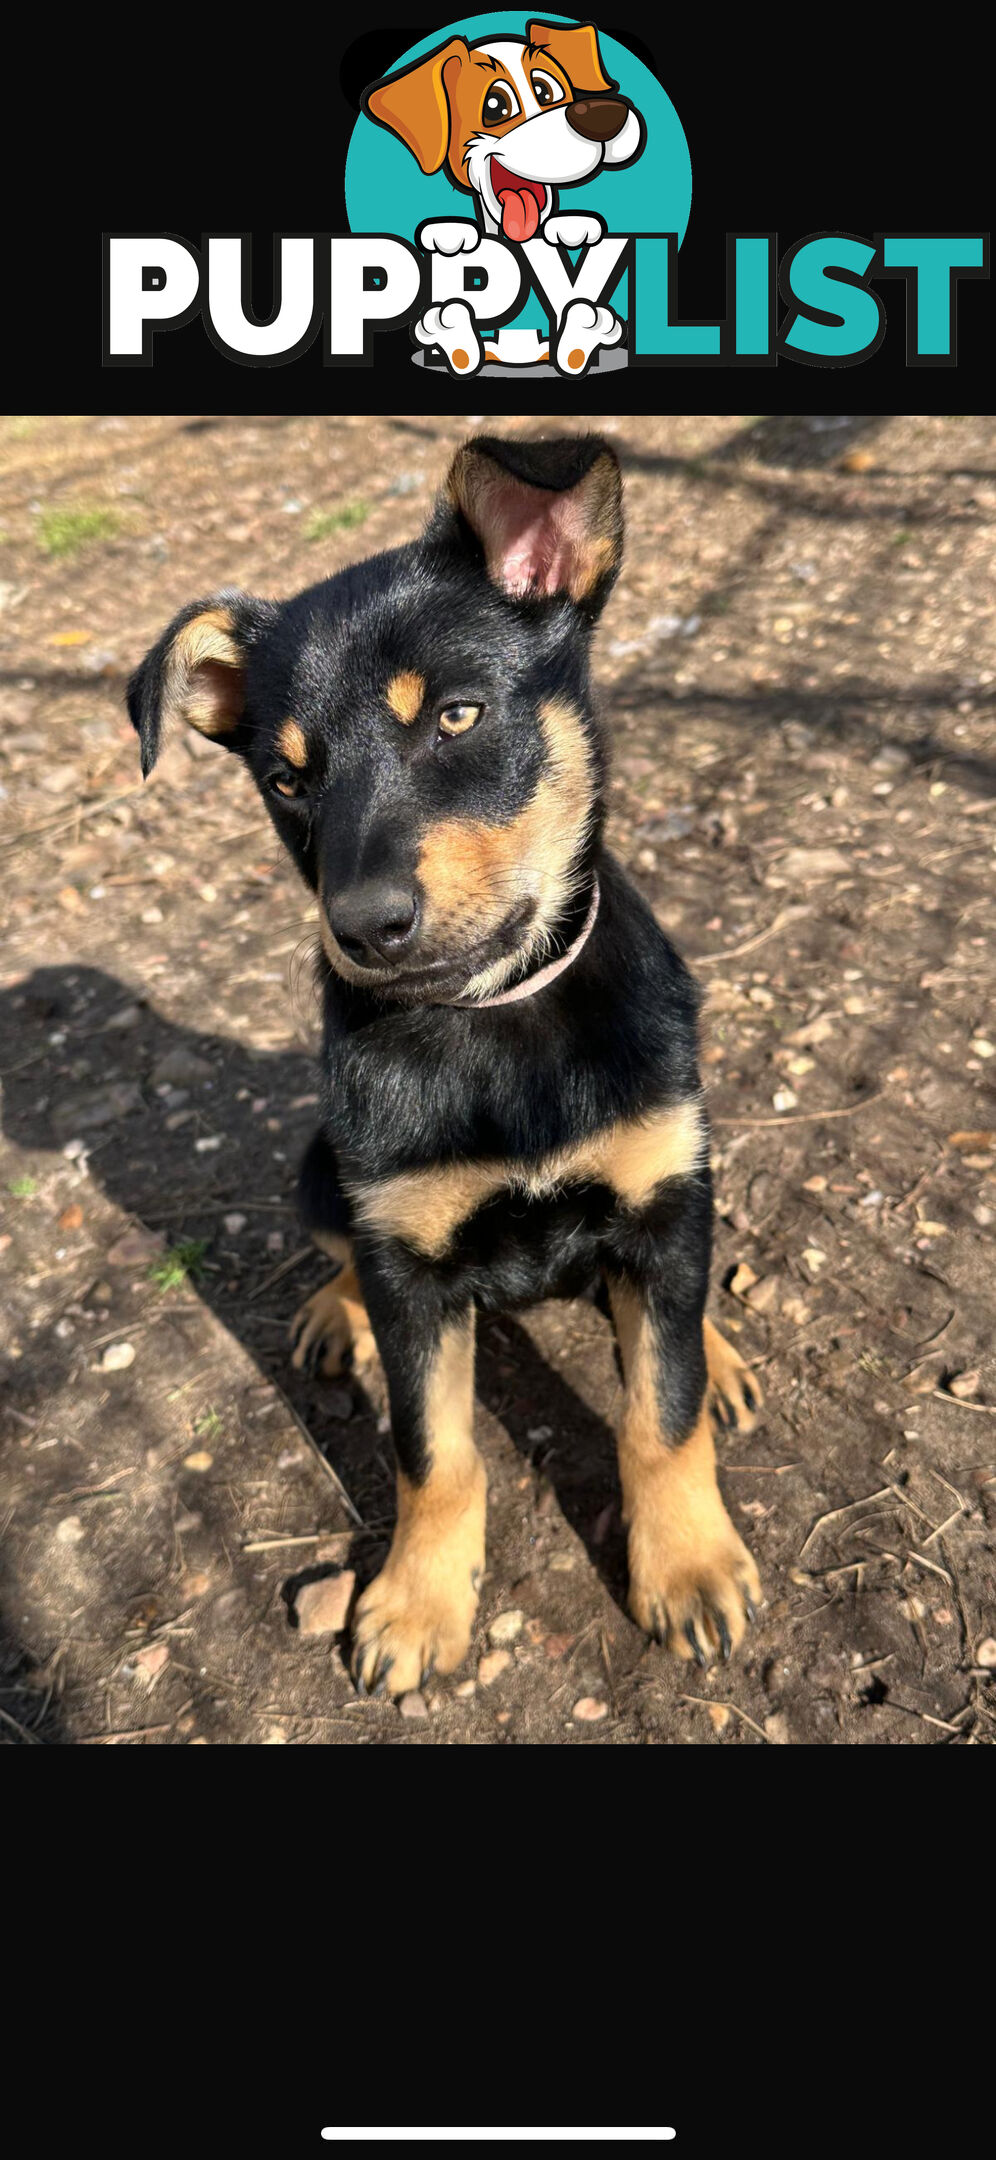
(544,975)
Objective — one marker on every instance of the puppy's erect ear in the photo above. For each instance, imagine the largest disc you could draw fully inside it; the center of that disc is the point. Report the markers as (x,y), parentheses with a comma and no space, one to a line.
(577,51)
(415,104)
(548,515)
(196,673)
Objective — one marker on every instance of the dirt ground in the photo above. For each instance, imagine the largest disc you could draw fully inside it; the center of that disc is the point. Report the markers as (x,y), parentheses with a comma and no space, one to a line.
(800,668)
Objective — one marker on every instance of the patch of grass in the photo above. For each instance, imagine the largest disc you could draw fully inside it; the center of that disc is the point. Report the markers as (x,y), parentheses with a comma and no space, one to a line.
(65,532)
(179,1263)
(323,522)
(209,1426)
(23,1187)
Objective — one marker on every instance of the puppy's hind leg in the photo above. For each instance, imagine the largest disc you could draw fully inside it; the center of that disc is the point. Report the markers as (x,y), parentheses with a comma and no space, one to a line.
(330,1331)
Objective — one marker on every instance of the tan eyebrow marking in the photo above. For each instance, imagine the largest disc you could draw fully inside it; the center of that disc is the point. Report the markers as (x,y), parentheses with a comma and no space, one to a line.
(404,695)
(291,743)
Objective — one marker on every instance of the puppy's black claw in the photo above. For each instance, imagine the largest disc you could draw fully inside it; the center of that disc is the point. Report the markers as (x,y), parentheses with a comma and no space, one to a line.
(723,1632)
(750,1395)
(749,1606)
(694,1645)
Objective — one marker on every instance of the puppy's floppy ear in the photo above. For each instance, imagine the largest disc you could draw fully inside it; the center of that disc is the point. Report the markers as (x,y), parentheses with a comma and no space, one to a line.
(415,105)
(548,515)
(196,673)
(577,51)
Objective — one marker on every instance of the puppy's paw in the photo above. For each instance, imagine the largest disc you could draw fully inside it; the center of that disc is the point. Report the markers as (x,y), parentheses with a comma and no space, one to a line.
(734,1395)
(410,1623)
(581,229)
(452,328)
(448,236)
(586,329)
(325,1338)
(695,1593)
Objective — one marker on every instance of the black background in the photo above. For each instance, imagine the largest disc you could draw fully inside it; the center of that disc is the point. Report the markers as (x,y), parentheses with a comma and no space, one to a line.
(797,122)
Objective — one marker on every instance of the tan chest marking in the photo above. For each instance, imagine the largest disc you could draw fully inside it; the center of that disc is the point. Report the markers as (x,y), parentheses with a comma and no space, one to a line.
(426,1207)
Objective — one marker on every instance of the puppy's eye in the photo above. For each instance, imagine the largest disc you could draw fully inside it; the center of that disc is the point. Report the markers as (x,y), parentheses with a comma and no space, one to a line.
(458,719)
(500,104)
(545,90)
(288,784)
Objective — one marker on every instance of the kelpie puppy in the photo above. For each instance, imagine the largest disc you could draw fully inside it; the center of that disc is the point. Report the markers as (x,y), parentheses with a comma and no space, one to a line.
(511,1108)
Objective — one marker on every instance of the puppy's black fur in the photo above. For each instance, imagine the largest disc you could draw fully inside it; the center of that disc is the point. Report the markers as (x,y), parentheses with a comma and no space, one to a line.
(423,731)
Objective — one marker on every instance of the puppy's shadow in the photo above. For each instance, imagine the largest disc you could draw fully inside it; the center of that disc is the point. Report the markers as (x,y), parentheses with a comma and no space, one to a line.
(83,1060)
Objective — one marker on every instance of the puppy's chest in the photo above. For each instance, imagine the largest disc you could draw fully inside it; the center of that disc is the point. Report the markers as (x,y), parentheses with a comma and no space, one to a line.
(440,1208)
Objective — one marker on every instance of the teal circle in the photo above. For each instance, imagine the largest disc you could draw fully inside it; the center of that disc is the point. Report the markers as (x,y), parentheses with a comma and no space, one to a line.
(387,191)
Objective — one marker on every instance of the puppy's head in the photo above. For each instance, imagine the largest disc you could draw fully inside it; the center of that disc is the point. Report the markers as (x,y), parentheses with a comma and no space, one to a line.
(512,118)
(420,725)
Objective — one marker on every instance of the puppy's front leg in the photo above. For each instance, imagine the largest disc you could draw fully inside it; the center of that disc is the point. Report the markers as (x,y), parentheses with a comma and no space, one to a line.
(693,1583)
(419,1611)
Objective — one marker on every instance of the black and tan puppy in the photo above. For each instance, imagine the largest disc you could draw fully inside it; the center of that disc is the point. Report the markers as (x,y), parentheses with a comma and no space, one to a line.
(511,1107)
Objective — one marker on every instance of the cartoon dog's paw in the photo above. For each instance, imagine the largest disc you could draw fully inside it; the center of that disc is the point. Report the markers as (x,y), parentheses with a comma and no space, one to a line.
(325,1338)
(734,1394)
(581,229)
(451,327)
(586,329)
(448,236)
(695,1592)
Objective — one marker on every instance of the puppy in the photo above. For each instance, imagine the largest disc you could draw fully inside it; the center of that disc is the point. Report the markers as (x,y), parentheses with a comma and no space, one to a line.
(512,120)
(511,1107)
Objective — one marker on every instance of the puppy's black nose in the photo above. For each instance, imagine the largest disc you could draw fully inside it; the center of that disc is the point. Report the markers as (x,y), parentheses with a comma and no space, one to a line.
(375,922)
(597,118)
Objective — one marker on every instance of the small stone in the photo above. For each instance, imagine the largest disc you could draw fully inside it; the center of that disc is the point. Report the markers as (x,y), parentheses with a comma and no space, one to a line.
(117,1357)
(137,1248)
(719,1716)
(465,1689)
(492,1666)
(505,1628)
(209,1143)
(985,1654)
(70,1531)
(589,1709)
(563,1563)
(776,1728)
(557,1646)
(784,1099)
(742,1280)
(413,1705)
(234,1224)
(814,1258)
(149,1663)
(322,1607)
(982,1047)
(800,866)
(98,1107)
(181,1068)
(71,1217)
(858,461)
(965,1384)
(200,1460)
(540,1432)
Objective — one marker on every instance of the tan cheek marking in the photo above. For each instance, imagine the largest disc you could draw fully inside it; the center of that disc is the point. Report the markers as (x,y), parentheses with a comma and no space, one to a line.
(405,694)
(292,744)
(474,874)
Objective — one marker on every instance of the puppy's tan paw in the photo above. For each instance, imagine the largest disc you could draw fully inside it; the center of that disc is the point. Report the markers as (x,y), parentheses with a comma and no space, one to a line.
(405,1629)
(695,1592)
(327,1335)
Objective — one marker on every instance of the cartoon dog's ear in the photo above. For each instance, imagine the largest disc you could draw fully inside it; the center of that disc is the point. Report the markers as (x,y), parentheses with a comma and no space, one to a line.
(415,106)
(548,515)
(196,673)
(576,49)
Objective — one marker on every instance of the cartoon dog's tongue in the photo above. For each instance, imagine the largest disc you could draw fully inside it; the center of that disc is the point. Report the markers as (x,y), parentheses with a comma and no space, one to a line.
(521,202)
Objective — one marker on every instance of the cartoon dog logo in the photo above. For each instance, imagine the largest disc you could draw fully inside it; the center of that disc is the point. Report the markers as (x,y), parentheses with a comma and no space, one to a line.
(513,120)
